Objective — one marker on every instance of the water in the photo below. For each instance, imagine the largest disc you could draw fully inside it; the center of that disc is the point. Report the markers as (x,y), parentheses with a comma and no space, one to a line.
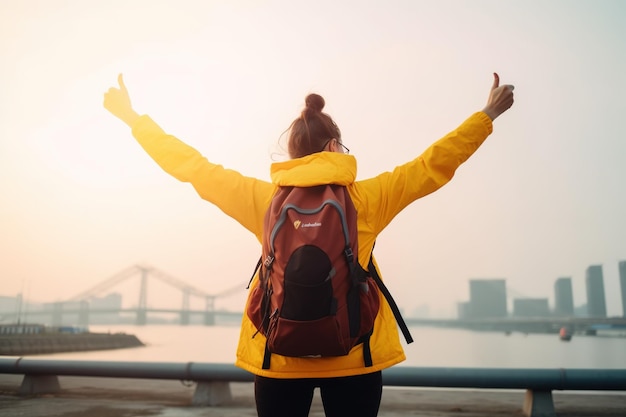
(437,347)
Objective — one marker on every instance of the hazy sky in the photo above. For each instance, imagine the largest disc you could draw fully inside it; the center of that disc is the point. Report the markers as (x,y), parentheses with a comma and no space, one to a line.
(543,198)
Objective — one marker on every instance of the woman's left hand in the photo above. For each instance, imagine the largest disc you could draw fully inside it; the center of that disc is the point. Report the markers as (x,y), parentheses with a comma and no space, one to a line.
(117,101)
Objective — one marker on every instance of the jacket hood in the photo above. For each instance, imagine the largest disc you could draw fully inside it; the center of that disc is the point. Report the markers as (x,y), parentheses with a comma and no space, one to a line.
(316,169)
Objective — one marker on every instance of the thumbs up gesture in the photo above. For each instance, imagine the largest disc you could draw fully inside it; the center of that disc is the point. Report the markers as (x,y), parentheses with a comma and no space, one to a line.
(117,101)
(500,98)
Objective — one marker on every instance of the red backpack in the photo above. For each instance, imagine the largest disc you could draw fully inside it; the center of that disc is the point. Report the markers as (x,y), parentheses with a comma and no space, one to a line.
(313,298)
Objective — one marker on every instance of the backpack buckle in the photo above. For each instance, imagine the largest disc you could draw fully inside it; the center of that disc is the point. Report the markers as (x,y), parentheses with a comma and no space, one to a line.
(349,254)
(269,260)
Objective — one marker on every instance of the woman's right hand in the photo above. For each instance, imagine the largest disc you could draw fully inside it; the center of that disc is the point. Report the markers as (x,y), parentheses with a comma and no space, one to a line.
(500,98)
(117,101)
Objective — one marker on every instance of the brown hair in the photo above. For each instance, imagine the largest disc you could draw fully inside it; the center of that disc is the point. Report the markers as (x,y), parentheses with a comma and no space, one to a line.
(310,132)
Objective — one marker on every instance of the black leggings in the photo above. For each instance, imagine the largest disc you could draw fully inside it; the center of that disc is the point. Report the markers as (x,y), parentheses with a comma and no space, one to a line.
(347,396)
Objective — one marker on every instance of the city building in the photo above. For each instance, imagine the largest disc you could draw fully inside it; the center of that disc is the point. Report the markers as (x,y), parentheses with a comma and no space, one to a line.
(487,298)
(462,310)
(622,285)
(531,307)
(9,305)
(563,297)
(594,282)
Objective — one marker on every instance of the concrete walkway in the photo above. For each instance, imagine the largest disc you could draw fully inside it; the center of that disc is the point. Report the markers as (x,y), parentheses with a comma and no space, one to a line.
(109,397)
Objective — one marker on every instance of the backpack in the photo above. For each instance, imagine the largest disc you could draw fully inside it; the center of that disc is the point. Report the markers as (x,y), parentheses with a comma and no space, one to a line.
(313,298)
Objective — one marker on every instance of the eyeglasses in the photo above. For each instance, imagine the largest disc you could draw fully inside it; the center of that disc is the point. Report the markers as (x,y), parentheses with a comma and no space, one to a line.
(346,150)
(344,147)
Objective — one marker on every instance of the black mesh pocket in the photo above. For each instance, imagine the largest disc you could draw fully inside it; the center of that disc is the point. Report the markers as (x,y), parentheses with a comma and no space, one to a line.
(308,285)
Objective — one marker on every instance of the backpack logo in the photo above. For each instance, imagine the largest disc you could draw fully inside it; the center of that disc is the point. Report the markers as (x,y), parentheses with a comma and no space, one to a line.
(312,224)
(312,297)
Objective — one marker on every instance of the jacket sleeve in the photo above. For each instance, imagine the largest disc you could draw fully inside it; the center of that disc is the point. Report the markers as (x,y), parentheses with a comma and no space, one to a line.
(388,193)
(240,197)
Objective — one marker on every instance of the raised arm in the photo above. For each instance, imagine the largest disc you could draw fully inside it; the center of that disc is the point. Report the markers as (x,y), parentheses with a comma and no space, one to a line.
(435,167)
(238,196)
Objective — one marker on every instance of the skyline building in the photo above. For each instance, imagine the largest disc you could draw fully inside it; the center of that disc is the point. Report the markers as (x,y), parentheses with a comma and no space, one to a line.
(563,297)
(594,282)
(487,298)
(622,285)
(531,307)
(462,310)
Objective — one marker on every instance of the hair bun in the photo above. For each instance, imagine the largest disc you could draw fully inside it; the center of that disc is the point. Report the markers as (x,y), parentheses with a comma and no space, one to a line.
(314,102)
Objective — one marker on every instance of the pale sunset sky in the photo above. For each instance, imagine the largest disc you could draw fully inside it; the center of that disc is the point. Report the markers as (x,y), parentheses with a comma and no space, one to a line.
(543,198)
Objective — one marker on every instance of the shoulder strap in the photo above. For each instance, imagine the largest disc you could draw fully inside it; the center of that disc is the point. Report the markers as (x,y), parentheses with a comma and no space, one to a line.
(392,303)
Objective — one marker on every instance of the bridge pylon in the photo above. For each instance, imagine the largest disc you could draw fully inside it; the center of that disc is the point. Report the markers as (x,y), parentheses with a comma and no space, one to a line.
(209,311)
(142,315)
(83,314)
(57,314)
(184,312)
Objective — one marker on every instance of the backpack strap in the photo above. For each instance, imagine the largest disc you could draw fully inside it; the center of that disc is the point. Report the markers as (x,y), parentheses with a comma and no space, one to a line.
(266,357)
(256,268)
(392,303)
(367,350)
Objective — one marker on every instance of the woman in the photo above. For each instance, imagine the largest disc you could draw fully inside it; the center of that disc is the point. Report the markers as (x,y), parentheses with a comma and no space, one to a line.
(318,155)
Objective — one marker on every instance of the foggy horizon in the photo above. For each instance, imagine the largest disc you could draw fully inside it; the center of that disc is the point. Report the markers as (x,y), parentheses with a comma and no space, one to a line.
(238,293)
(541,199)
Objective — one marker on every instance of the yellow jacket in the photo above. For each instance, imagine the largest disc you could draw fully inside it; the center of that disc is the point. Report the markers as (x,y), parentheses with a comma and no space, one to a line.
(377,201)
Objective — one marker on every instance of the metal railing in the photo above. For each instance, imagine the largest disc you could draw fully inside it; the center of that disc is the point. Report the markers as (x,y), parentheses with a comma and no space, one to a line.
(212,379)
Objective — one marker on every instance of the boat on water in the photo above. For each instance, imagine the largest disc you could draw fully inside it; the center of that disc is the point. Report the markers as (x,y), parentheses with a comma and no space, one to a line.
(565,334)
(36,339)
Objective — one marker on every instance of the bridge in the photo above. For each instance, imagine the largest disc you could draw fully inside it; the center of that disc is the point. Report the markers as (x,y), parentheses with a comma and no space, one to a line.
(80,308)
(80,305)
